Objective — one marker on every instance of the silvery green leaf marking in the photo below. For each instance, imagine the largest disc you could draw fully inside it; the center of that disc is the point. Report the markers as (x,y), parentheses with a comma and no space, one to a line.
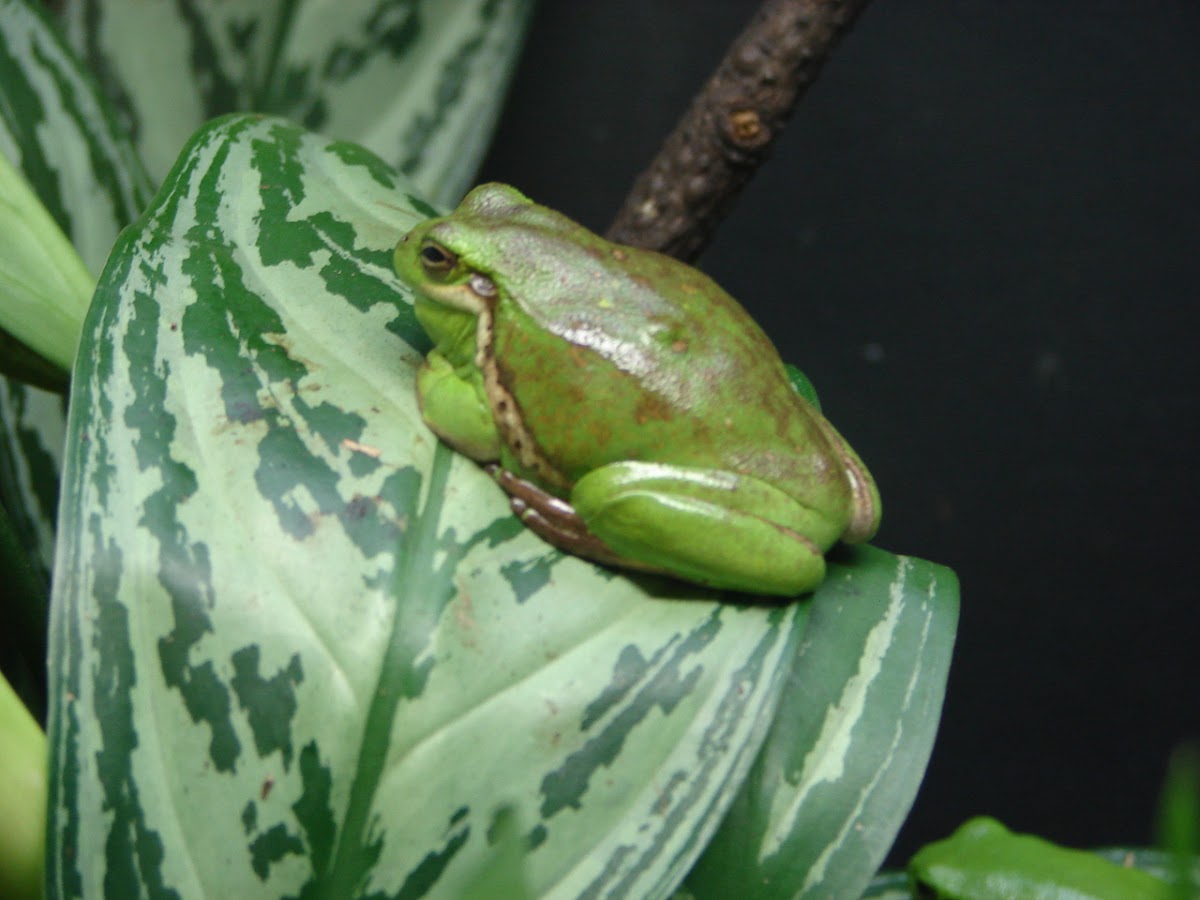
(294,634)
(417,81)
(855,728)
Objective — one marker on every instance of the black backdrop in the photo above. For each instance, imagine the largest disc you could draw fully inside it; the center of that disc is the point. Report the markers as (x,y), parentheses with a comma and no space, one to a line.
(979,237)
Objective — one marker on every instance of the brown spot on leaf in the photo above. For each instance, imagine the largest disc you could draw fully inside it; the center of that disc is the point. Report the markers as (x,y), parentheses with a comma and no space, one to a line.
(358,508)
(366,449)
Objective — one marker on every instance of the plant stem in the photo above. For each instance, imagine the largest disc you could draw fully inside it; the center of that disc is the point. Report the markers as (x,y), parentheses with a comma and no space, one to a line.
(731,126)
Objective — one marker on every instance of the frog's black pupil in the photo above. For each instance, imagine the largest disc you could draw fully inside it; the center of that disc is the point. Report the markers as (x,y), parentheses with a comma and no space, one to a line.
(436,257)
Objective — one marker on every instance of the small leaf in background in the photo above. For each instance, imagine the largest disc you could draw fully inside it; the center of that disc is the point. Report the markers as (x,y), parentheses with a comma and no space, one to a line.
(22,799)
(983,860)
(44,286)
(991,862)
(1179,819)
(848,749)
(418,83)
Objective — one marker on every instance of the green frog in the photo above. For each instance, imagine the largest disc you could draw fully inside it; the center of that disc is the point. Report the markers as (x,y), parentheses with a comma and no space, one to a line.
(633,411)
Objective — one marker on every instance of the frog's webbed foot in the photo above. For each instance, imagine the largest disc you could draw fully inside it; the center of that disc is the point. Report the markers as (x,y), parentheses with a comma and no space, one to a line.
(556,522)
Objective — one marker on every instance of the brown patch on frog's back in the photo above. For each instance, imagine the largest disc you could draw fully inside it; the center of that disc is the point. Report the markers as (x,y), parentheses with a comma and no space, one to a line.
(652,408)
(577,355)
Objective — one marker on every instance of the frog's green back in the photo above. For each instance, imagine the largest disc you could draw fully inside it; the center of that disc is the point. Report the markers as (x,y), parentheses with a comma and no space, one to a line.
(651,360)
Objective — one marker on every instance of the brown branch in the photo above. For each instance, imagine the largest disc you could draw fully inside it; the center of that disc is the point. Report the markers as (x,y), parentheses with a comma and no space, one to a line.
(731,127)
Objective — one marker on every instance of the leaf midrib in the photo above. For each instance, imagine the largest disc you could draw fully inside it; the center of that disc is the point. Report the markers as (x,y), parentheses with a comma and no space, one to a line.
(416,615)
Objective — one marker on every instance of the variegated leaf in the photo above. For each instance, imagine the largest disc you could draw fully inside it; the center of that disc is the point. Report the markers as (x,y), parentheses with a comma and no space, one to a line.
(300,648)
(56,128)
(843,761)
(59,131)
(69,181)
(417,81)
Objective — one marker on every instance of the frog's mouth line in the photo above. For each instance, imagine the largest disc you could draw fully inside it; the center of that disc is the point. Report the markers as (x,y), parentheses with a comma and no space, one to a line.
(458,296)
(506,412)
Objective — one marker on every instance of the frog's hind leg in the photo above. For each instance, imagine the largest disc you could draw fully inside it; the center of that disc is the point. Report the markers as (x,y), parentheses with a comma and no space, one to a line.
(709,526)
(556,522)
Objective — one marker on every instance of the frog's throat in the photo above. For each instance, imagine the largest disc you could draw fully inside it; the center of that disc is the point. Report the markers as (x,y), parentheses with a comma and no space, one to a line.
(506,412)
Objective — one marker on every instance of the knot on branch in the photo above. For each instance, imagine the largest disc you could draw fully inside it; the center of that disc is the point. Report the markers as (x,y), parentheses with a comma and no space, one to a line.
(744,129)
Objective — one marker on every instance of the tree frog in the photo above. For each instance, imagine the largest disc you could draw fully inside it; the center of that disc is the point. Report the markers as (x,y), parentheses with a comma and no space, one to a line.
(632,410)
(983,860)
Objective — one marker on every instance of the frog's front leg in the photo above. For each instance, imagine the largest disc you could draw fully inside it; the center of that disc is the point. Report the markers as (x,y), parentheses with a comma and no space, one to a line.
(709,526)
(452,404)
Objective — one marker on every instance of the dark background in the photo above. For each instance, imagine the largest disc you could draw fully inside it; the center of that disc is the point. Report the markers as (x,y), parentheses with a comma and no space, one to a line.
(978,237)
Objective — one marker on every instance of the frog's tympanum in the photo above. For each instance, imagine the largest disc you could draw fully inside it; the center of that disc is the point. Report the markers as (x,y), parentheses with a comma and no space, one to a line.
(632,410)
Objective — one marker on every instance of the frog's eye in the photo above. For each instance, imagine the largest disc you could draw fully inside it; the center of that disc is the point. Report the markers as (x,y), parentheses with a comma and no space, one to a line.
(437,259)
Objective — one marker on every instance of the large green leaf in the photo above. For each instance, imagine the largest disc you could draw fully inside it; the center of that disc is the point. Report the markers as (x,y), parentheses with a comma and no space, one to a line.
(302,649)
(417,81)
(843,761)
